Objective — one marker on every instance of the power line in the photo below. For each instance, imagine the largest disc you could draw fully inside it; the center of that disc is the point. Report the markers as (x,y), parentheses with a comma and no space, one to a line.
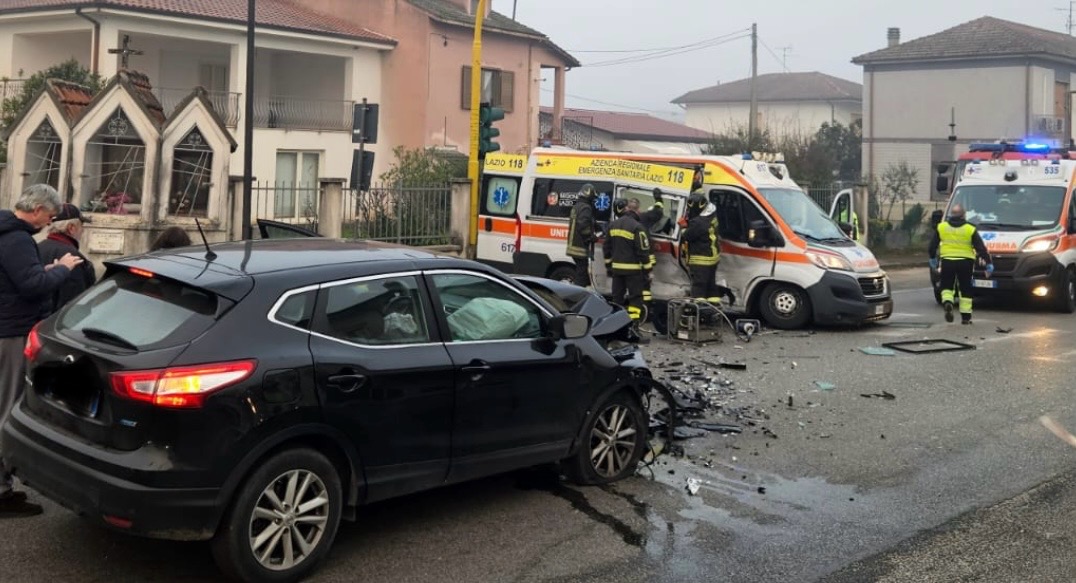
(774,55)
(661,55)
(620,105)
(657,49)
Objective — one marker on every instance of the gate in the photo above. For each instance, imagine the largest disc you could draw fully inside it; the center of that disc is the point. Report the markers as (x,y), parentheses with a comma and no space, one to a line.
(408,215)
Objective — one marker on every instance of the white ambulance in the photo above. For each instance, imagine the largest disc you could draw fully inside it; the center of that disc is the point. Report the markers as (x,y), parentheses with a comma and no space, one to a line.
(782,256)
(1025,212)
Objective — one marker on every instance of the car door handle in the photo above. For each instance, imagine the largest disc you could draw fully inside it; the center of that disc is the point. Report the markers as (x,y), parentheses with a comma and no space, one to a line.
(347,383)
(477,369)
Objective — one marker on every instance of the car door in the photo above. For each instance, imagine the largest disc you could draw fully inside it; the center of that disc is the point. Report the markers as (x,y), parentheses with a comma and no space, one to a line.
(519,394)
(385,379)
(277,230)
(741,264)
(841,206)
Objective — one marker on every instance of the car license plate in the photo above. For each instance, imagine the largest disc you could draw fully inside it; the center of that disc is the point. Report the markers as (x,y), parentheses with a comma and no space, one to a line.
(987,283)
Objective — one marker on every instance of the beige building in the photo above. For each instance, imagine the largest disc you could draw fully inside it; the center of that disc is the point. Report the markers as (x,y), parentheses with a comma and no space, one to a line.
(983,80)
(788,103)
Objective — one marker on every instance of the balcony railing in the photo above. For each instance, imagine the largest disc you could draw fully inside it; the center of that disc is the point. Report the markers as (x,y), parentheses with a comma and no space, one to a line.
(11,88)
(225,103)
(297,113)
(1049,126)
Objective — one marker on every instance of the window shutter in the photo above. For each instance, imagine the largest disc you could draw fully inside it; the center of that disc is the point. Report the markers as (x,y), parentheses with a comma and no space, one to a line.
(508,93)
(465,89)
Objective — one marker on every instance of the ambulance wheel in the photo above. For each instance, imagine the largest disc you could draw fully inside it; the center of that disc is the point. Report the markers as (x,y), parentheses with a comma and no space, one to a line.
(1066,300)
(785,307)
(564,273)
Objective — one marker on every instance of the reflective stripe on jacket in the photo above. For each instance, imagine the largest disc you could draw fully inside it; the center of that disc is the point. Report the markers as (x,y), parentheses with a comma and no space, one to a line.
(956,242)
(702,241)
(581,230)
(627,247)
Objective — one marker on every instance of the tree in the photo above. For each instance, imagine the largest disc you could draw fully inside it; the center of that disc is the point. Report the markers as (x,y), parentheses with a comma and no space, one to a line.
(70,71)
(844,148)
(424,167)
(899,183)
(734,141)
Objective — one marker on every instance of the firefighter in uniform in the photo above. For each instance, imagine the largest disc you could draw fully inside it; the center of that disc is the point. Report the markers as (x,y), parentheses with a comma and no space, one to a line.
(629,259)
(700,243)
(654,220)
(958,244)
(582,234)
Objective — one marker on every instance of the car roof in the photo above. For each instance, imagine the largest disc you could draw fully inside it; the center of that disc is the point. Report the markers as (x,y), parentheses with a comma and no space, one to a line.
(303,260)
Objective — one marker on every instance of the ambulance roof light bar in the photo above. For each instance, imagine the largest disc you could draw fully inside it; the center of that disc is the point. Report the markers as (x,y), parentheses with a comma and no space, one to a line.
(1013,146)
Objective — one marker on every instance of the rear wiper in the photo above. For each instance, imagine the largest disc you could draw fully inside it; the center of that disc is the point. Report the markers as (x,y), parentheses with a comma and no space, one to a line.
(108,337)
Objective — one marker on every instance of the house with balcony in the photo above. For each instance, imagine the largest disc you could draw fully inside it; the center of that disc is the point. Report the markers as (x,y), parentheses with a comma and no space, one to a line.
(310,70)
(926,99)
(428,73)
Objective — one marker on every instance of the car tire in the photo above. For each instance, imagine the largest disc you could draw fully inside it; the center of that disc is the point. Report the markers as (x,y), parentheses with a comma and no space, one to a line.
(563,273)
(1066,300)
(262,529)
(785,307)
(613,442)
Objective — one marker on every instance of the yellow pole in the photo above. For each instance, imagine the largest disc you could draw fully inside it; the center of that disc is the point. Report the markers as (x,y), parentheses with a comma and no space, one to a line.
(476,99)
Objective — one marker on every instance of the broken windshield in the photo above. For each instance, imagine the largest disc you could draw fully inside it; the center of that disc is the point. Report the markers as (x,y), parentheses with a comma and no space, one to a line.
(1010,206)
(803,215)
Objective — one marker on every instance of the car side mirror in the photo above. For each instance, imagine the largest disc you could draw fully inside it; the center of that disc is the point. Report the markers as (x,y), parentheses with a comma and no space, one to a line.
(569,326)
(760,234)
(941,184)
(847,228)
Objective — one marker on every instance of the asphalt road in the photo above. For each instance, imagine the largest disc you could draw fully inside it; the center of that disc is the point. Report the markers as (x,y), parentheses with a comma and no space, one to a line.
(954,479)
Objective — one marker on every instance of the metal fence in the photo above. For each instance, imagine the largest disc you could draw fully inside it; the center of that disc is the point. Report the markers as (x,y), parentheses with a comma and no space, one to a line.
(225,103)
(303,114)
(11,88)
(401,214)
(287,203)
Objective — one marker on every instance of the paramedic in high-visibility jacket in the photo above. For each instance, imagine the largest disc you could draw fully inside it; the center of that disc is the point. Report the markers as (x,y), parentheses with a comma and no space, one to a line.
(958,245)
(703,248)
(629,259)
(582,233)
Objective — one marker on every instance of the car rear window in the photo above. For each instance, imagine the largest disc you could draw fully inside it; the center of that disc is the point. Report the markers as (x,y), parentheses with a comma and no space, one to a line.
(145,311)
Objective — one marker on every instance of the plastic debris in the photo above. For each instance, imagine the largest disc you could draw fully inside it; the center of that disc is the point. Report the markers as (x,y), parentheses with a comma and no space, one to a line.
(762,489)
(823,385)
(1001,330)
(718,427)
(876,351)
(693,486)
(883,395)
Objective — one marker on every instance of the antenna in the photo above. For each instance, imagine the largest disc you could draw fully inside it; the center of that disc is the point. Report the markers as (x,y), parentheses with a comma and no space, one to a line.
(785,51)
(209,254)
(1069,25)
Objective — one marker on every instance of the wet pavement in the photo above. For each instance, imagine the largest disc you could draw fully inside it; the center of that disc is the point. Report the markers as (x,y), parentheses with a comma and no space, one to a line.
(823,482)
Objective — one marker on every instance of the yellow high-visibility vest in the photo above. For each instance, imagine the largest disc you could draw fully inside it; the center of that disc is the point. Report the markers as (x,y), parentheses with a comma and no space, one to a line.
(956,241)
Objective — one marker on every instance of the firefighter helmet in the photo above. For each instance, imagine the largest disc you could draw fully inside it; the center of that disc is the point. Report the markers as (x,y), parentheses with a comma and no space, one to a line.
(588,193)
(695,204)
(620,206)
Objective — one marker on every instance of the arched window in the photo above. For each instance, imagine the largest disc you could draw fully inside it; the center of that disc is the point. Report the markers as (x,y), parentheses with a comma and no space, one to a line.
(192,167)
(43,156)
(116,165)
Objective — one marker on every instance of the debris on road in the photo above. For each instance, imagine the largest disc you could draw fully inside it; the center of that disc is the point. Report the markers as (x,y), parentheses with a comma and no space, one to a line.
(928,346)
(693,485)
(823,385)
(875,351)
(1001,330)
(725,428)
(883,395)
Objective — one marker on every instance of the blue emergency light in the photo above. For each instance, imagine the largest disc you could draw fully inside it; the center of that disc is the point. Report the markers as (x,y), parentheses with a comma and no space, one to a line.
(1035,147)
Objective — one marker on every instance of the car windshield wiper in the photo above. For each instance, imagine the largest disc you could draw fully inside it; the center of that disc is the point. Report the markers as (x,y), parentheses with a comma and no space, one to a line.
(806,236)
(108,337)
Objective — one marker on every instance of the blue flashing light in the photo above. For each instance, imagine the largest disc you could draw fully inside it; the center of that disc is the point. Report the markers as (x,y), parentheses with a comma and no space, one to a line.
(1033,147)
(746,156)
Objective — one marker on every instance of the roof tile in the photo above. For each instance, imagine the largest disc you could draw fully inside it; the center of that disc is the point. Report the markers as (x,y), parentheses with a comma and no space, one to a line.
(986,36)
(280,14)
(632,125)
(812,86)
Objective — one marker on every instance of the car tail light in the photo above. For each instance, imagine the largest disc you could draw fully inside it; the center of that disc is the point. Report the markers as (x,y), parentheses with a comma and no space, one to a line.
(142,272)
(183,386)
(33,344)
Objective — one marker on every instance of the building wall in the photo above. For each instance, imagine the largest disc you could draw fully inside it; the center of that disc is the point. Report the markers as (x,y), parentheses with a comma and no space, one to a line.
(31,45)
(779,118)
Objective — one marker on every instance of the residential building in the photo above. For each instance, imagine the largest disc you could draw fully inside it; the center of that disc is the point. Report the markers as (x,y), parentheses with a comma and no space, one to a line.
(587,129)
(983,80)
(787,104)
(428,77)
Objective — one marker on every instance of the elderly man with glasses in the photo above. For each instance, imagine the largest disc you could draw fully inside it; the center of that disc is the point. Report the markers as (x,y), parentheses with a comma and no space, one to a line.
(25,284)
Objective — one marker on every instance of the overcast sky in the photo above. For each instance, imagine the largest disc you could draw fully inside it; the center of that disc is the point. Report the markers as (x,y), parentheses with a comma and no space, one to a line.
(820,35)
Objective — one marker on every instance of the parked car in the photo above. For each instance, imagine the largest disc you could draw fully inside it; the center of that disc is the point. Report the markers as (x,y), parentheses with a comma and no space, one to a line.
(257,395)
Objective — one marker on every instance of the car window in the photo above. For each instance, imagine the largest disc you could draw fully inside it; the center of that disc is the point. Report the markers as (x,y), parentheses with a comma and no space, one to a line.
(735,213)
(480,309)
(143,310)
(555,198)
(375,312)
(501,196)
(297,309)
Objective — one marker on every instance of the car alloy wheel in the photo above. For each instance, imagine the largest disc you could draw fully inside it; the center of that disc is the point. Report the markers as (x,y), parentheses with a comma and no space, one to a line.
(613,441)
(289,520)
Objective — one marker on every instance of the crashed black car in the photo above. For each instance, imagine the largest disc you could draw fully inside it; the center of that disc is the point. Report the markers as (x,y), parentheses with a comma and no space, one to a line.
(256,395)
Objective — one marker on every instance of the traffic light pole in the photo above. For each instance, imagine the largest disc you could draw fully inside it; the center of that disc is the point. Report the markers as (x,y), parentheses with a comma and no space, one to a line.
(476,98)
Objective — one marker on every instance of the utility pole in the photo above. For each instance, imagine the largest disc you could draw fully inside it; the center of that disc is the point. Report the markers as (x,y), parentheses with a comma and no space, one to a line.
(752,123)
(248,128)
(473,169)
(515,1)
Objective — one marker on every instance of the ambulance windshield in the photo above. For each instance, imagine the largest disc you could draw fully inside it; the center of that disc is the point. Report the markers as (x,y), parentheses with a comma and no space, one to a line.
(1010,206)
(803,215)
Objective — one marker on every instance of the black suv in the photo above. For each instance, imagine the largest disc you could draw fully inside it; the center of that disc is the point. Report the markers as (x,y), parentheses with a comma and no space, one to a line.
(257,396)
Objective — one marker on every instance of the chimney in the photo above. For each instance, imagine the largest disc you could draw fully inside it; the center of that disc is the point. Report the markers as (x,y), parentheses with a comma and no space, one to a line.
(893,35)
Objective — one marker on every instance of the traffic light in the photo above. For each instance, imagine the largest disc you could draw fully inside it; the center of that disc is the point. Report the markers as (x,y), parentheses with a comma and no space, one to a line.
(488,114)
